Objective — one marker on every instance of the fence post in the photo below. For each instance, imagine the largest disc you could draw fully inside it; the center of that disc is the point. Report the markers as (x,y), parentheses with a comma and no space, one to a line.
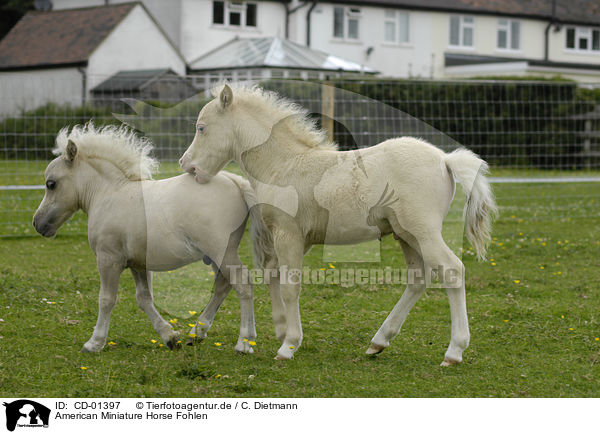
(327,108)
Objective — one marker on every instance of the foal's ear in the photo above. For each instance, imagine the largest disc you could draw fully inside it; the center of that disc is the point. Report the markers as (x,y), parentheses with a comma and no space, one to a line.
(71,150)
(226,96)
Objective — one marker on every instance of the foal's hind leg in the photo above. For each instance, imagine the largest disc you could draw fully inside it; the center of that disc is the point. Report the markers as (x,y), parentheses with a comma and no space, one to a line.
(205,320)
(414,289)
(145,300)
(437,255)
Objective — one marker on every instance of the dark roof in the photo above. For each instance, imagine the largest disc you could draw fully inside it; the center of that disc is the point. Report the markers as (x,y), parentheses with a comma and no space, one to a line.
(60,37)
(136,80)
(567,11)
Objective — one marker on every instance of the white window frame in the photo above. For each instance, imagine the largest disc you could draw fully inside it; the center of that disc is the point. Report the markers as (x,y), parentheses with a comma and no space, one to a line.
(583,33)
(394,17)
(237,6)
(506,25)
(462,25)
(350,13)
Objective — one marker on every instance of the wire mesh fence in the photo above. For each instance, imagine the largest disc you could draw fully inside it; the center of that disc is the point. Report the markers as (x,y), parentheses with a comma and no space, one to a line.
(532,130)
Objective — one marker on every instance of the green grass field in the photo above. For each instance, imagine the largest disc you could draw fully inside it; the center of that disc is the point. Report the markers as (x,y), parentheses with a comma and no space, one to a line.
(533,310)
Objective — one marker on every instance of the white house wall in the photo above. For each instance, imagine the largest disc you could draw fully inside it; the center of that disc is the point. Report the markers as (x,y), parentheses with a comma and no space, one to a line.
(199,35)
(134,44)
(27,90)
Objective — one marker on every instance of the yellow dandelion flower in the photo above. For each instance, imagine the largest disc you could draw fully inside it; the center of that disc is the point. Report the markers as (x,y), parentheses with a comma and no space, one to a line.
(538,239)
(192,335)
(322,269)
(245,340)
(218,376)
(83,368)
(505,320)
(542,267)
(169,272)
(500,244)
(218,344)
(495,239)
(161,345)
(521,233)
(252,343)
(517,281)
(559,242)
(53,302)
(544,244)
(571,328)
(173,320)
(513,216)
(178,342)
(112,343)
(192,325)
(153,341)
(192,312)
(562,316)
(493,264)
(331,266)
(200,323)
(559,272)
(291,347)
(597,339)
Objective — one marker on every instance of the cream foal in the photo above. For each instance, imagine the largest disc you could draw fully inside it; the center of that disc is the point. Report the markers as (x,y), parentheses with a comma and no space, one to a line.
(310,193)
(145,225)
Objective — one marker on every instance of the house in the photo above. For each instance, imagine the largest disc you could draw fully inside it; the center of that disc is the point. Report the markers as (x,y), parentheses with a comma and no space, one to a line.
(59,56)
(400,38)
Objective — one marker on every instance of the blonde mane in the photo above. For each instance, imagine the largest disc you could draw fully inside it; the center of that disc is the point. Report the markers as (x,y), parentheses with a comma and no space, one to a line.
(274,106)
(118,145)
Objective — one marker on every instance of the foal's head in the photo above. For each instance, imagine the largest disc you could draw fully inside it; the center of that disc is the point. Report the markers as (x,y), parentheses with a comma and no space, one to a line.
(60,199)
(212,146)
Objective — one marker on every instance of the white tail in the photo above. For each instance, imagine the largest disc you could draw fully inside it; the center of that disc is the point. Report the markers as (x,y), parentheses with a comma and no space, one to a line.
(262,240)
(480,209)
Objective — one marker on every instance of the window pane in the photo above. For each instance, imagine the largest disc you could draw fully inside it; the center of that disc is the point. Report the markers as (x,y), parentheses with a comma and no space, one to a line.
(338,22)
(501,38)
(515,35)
(468,37)
(390,31)
(596,40)
(404,30)
(454,29)
(468,20)
(571,38)
(219,12)
(251,15)
(583,43)
(234,18)
(390,14)
(502,23)
(353,28)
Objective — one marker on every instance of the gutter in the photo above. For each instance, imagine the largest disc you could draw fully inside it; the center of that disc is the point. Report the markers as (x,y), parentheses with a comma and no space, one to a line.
(547,30)
(289,12)
(312,6)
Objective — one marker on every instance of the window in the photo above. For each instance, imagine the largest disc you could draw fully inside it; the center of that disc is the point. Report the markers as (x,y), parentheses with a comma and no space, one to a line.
(346,23)
(509,35)
(396,27)
(234,13)
(461,31)
(582,39)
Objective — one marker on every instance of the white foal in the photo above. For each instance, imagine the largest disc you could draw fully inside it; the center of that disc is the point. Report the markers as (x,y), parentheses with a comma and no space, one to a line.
(403,186)
(145,225)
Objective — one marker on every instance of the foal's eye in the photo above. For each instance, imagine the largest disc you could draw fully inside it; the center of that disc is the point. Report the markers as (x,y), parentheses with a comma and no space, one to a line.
(200,128)
(50,185)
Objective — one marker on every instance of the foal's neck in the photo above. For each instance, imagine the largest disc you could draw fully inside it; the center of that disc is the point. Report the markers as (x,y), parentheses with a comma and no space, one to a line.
(95,179)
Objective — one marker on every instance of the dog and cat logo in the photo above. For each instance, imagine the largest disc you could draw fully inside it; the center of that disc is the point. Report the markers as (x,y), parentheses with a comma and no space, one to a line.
(26,413)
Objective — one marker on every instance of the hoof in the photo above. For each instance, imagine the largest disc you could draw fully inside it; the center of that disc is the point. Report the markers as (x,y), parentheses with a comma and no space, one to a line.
(90,348)
(174,343)
(281,357)
(244,347)
(448,361)
(375,349)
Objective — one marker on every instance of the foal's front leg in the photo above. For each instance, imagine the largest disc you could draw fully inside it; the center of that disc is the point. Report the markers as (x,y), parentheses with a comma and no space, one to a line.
(145,300)
(109,284)
(290,250)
